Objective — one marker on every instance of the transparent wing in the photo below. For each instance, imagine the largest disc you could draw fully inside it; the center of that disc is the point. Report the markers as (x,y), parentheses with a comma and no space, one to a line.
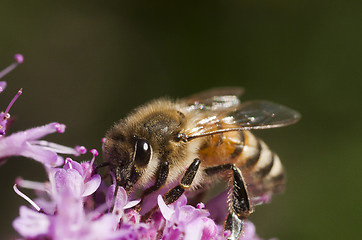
(214,99)
(261,114)
(246,116)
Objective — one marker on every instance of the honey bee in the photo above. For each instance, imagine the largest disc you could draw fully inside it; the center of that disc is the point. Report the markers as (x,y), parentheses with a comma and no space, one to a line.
(196,140)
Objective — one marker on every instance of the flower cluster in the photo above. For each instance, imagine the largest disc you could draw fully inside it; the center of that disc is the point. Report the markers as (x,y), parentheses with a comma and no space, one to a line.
(67,208)
(75,203)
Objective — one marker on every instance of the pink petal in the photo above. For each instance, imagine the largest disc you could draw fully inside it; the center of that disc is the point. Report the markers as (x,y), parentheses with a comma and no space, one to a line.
(69,163)
(103,228)
(210,229)
(92,185)
(49,207)
(249,232)
(194,230)
(31,223)
(110,196)
(172,233)
(121,199)
(59,162)
(69,181)
(18,145)
(132,204)
(39,132)
(165,210)
(40,154)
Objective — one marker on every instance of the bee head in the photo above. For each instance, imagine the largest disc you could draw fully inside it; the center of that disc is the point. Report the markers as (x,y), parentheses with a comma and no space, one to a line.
(136,145)
(128,157)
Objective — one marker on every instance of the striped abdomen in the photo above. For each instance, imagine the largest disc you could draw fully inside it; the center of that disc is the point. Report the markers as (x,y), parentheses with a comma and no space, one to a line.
(261,168)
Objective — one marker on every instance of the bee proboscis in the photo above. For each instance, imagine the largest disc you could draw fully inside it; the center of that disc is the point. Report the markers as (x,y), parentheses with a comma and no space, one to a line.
(196,140)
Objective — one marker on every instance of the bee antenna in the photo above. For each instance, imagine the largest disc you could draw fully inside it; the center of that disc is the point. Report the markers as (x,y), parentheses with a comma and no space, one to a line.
(101,165)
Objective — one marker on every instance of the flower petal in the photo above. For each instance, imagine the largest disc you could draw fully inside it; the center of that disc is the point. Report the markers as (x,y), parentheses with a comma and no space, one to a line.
(40,154)
(194,230)
(110,196)
(166,211)
(31,224)
(69,181)
(70,164)
(249,232)
(17,145)
(121,199)
(92,185)
(132,204)
(41,131)
(210,229)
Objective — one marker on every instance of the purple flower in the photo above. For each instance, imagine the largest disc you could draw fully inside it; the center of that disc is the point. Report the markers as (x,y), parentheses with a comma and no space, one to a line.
(69,213)
(77,177)
(69,219)
(27,144)
(184,221)
(187,222)
(31,223)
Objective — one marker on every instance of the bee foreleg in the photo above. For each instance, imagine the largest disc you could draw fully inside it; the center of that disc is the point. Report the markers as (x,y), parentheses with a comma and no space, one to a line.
(173,194)
(239,206)
(162,174)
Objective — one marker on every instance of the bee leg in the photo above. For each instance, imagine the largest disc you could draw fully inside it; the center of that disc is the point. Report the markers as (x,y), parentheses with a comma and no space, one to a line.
(162,174)
(239,206)
(175,193)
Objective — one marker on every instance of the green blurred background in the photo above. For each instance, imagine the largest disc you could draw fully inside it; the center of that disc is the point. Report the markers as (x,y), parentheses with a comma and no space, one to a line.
(87,63)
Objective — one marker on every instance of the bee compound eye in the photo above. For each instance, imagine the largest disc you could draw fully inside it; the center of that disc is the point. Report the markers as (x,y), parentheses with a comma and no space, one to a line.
(143,152)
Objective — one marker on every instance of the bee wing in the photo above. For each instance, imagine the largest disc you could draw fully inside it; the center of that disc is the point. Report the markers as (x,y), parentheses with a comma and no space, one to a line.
(214,99)
(246,116)
(261,114)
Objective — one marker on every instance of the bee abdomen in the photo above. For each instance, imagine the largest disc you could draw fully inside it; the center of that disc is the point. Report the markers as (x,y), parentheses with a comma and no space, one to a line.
(275,179)
(263,165)
(265,162)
